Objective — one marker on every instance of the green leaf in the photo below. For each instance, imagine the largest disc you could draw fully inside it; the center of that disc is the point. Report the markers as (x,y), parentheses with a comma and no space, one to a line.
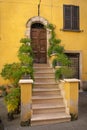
(25,40)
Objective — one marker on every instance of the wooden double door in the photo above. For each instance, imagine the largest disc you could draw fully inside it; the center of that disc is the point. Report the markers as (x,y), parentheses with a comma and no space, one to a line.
(39,44)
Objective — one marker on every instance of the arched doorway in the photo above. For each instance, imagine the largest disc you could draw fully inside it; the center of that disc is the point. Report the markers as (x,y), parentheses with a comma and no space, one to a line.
(39,42)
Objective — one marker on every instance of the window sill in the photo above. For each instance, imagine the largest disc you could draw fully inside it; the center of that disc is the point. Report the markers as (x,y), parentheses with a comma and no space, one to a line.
(69,30)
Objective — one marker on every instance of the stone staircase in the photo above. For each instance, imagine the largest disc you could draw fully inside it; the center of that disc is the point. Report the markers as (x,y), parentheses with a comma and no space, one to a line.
(47,102)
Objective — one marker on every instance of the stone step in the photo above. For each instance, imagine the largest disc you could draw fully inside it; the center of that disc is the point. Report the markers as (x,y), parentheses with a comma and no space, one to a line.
(44,108)
(44,74)
(44,79)
(47,99)
(45,85)
(51,118)
(43,70)
(47,102)
(46,91)
(41,65)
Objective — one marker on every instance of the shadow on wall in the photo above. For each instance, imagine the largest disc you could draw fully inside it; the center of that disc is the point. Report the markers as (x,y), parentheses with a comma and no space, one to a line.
(84,85)
(1,125)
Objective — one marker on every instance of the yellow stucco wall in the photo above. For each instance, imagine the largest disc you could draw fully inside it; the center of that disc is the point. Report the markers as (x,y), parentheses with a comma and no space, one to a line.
(26,99)
(14,15)
(71,95)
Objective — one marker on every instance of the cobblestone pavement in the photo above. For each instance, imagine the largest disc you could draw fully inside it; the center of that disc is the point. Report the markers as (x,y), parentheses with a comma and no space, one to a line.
(80,124)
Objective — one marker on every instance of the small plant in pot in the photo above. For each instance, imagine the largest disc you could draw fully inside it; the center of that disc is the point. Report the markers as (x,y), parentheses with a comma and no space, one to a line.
(56,62)
(25,55)
(58,74)
(27,72)
(55,46)
(60,60)
(63,72)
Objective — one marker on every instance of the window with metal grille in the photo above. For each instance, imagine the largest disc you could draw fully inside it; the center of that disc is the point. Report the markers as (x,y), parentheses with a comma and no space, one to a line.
(71,17)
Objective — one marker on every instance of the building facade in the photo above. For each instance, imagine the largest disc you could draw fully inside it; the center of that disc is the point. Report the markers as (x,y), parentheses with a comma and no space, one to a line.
(20,18)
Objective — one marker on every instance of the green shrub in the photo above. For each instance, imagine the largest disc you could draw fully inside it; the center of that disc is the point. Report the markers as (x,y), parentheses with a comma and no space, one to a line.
(54,41)
(50,26)
(55,46)
(56,62)
(12,72)
(12,99)
(25,40)
(63,72)
(25,59)
(58,49)
(25,49)
(58,74)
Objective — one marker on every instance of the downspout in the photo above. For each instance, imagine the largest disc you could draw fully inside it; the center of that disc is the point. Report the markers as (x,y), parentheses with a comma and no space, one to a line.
(39,7)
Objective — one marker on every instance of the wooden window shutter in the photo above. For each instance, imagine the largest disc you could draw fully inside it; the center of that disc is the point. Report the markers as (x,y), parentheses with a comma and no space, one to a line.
(67,17)
(70,17)
(75,17)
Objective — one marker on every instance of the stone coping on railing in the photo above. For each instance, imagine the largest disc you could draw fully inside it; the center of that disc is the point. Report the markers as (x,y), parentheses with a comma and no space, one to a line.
(24,81)
(70,80)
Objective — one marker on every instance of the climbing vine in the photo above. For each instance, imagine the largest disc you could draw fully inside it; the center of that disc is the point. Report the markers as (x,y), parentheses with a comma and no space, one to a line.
(60,57)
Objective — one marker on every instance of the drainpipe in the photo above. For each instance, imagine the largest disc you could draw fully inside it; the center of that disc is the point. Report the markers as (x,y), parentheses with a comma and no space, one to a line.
(39,7)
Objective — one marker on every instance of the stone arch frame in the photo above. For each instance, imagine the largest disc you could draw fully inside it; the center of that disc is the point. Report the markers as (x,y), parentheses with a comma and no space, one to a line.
(35,20)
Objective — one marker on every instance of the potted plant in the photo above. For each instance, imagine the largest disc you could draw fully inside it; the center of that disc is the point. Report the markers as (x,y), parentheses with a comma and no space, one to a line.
(54,42)
(61,60)
(58,74)
(56,63)
(63,72)
(27,72)
(55,49)
(25,55)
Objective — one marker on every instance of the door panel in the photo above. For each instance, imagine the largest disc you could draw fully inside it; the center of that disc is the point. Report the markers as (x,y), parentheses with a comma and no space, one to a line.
(39,45)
